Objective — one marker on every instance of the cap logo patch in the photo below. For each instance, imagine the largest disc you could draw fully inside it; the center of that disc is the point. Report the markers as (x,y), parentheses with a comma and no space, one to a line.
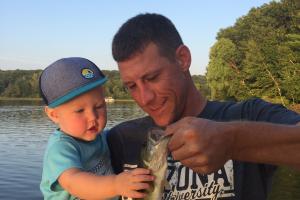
(87,73)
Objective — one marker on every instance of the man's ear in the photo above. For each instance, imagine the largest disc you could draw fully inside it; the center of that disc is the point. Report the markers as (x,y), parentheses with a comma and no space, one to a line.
(183,57)
(52,114)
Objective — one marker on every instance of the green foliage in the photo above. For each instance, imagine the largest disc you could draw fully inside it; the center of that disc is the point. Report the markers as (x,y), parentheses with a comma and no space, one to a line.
(114,86)
(19,83)
(24,83)
(200,83)
(259,55)
(223,74)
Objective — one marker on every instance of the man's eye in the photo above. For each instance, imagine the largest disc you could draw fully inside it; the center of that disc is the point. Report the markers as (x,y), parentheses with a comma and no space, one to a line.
(130,87)
(151,78)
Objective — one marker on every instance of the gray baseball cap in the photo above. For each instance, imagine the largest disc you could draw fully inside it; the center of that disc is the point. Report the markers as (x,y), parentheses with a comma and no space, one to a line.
(67,78)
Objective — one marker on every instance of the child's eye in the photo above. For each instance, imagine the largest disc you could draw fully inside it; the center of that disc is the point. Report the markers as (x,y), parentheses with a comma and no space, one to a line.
(79,110)
(99,107)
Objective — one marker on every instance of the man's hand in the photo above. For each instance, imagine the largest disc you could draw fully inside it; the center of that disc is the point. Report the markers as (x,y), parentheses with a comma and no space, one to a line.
(200,144)
(205,145)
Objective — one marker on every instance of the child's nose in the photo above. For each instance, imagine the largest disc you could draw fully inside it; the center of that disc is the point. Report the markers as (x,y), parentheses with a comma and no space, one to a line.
(92,115)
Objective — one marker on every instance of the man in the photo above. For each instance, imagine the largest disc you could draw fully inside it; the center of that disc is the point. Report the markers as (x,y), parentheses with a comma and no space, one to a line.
(219,150)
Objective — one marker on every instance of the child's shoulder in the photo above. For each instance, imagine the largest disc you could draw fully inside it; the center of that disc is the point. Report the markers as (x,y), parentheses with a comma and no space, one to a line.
(60,140)
(58,135)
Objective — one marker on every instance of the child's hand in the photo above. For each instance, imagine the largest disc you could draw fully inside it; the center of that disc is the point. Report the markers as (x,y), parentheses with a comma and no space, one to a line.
(130,183)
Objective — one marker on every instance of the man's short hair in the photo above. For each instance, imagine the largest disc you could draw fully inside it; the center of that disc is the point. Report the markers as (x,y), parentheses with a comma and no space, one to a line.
(135,34)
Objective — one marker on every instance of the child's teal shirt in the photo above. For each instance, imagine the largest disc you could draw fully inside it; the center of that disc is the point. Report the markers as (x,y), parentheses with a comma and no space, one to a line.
(64,152)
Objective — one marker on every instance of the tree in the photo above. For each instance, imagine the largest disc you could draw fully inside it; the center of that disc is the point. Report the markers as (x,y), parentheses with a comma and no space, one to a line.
(262,47)
(224,76)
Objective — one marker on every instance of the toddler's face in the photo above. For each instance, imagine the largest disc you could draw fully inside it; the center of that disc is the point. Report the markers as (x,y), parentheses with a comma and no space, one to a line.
(84,117)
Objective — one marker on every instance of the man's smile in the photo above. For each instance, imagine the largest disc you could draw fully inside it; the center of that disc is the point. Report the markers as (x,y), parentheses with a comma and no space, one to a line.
(158,108)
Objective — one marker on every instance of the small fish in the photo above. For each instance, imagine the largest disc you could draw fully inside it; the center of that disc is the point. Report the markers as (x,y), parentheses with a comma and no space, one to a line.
(154,157)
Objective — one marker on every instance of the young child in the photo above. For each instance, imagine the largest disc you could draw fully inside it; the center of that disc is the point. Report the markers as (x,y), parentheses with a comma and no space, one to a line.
(76,162)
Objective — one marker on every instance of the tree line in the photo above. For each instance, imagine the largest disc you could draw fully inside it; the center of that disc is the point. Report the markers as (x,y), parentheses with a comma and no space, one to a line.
(24,84)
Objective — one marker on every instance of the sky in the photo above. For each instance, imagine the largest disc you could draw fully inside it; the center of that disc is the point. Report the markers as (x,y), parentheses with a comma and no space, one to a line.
(35,33)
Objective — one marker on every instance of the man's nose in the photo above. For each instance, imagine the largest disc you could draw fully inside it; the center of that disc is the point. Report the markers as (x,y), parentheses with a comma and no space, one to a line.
(146,95)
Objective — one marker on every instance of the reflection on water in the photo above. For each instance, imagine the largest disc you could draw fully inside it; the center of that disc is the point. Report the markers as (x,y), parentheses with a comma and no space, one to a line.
(23,134)
(18,102)
(24,130)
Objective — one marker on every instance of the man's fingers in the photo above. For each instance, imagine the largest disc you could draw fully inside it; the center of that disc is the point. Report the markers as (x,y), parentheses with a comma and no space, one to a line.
(195,161)
(175,141)
(172,128)
(206,169)
(203,169)
(180,153)
(190,156)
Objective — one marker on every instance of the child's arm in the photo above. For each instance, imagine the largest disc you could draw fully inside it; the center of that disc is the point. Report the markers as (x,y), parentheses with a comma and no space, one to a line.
(90,186)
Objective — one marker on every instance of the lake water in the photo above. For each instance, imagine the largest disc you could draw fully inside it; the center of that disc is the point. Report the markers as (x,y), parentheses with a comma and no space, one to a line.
(24,130)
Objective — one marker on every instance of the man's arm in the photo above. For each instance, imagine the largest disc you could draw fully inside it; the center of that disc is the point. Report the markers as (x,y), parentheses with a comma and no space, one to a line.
(266,143)
(205,145)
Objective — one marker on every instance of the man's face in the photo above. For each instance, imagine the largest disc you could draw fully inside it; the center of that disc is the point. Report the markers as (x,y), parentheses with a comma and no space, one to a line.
(158,85)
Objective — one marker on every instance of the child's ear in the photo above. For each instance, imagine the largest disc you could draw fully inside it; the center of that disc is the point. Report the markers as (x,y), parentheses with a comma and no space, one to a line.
(52,114)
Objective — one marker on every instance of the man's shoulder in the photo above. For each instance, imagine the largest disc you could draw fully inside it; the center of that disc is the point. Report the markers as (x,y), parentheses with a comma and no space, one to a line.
(233,104)
(253,109)
(250,101)
(231,110)
(134,124)
(131,128)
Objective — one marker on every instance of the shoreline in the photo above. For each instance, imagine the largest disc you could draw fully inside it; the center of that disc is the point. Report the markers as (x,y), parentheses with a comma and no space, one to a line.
(295,107)
(40,99)
(20,99)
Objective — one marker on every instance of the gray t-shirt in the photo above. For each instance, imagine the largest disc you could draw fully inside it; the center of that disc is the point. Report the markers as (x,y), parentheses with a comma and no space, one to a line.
(234,181)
